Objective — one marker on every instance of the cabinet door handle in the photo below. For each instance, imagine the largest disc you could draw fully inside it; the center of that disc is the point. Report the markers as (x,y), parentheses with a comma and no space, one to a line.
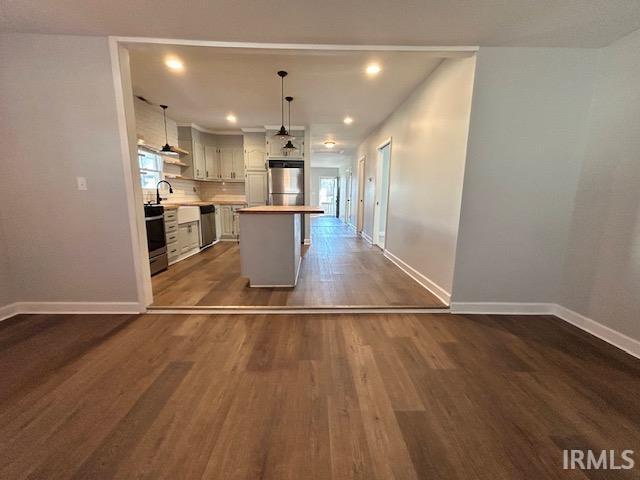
(207,173)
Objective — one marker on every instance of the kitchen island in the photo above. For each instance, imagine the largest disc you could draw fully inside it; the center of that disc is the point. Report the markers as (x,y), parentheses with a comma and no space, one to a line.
(270,244)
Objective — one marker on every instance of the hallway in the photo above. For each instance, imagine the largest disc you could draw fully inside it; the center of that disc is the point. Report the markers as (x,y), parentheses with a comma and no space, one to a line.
(338,269)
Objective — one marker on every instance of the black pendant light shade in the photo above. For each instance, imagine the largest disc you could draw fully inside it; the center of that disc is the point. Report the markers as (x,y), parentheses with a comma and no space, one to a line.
(282,134)
(289,145)
(166,149)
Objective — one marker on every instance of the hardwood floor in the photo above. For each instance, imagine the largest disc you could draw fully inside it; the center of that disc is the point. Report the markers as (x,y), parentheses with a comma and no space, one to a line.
(338,269)
(433,396)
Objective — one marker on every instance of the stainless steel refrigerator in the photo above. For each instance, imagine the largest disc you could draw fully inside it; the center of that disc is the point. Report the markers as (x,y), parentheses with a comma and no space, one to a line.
(286,182)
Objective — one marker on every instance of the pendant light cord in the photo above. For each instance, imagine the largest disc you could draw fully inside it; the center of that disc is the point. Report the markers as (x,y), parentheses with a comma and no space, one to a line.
(164,114)
(166,135)
(282,99)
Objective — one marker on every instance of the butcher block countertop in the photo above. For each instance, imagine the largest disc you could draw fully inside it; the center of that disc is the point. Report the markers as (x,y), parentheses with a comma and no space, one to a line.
(281,209)
(221,200)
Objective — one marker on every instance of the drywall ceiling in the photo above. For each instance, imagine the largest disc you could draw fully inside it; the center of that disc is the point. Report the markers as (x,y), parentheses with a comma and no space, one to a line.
(576,23)
(326,86)
(331,159)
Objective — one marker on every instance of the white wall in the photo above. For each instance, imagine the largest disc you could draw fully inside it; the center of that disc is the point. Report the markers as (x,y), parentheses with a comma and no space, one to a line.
(150,124)
(59,122)
(6,288)
(429,137)
(602,269)
(526,139)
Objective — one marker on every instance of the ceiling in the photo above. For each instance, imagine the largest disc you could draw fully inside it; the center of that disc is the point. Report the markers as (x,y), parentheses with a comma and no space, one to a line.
(565,23)
(326,86)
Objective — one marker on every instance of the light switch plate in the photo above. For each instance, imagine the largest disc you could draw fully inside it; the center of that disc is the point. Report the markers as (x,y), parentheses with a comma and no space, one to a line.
(82,183)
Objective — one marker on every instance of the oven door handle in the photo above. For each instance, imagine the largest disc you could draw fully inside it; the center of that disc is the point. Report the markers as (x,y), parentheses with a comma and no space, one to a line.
(147,219)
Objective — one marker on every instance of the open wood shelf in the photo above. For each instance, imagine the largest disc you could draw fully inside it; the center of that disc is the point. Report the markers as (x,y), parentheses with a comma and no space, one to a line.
(174,162)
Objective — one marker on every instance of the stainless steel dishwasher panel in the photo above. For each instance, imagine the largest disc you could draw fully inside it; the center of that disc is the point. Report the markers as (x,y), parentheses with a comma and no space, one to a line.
(207,225)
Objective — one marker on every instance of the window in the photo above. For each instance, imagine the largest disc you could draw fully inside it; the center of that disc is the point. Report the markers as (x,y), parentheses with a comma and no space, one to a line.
(150,168)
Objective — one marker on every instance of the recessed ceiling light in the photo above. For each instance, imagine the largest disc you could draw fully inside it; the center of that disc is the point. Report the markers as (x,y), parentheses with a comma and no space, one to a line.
(329,144)
(232,118)
(373,69)
(348,120)
(174,64)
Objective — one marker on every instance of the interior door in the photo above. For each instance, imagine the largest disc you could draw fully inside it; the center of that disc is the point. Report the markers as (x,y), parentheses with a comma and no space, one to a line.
(347,194)
(360,221)
(382,195)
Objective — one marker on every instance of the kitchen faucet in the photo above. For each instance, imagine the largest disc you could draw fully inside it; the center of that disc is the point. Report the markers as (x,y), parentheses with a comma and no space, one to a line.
(158,198)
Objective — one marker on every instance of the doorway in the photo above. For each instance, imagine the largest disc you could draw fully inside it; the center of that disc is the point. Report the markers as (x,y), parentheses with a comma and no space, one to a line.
(382,194)
(328,195)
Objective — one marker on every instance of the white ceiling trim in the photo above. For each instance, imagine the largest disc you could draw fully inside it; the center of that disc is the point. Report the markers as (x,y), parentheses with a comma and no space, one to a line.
(300,46)
(208,130)
(291,127)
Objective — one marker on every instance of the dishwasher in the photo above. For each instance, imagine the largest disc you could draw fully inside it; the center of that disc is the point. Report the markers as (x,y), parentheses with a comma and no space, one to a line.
(207,225)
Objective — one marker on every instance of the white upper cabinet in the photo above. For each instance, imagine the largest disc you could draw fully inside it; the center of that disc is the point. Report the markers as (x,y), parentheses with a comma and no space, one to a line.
(255,160)
(212,163)
(231,164)
(238,164)
(226,163)
(199,161)
(275,150)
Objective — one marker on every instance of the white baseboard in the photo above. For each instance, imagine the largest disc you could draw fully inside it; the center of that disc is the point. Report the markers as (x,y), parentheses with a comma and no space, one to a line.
(295,311)
(8,311)
(72,307)
(501,308)
(367,238)
(426,282)
(352,226)
(613,337)
(609,335)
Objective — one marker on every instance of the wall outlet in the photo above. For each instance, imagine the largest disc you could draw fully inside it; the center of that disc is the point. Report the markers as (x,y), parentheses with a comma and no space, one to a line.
(82,183)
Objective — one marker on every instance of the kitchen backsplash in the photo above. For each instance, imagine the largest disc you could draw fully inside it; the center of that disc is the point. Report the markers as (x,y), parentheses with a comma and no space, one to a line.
(211,189)
(183,190)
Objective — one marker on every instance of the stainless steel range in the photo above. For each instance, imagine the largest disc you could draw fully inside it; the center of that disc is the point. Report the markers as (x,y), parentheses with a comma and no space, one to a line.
(156,240)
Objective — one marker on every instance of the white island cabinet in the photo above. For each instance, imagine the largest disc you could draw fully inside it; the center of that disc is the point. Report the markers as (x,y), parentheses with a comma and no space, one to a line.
(270,244)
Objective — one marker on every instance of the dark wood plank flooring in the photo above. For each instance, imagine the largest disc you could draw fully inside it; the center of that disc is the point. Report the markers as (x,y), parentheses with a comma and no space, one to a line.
(339,269)
(432,396)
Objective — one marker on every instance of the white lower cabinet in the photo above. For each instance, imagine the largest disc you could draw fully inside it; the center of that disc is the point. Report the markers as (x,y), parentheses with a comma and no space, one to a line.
(228,223)
(188,237)
(256,188)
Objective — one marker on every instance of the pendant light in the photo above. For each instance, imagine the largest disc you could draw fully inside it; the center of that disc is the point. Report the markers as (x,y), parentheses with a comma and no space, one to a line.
(282,134)
(166,149)
(289,145)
